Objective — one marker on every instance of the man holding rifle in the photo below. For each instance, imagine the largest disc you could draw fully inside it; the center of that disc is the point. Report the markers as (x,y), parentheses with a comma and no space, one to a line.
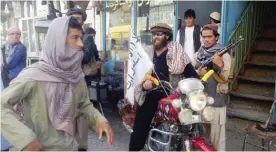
(217,86)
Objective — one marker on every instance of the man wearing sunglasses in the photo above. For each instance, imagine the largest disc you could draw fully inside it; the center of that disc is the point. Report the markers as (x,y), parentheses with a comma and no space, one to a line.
(170,64)
(17,53)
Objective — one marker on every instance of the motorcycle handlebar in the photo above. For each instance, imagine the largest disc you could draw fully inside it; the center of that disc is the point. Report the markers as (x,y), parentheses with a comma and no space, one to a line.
(165,84)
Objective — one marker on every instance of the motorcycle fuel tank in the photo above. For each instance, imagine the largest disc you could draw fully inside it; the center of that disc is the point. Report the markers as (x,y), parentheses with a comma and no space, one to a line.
(166,111)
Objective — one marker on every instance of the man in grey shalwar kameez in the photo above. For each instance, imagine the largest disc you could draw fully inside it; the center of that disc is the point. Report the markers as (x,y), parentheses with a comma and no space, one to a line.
(214,88)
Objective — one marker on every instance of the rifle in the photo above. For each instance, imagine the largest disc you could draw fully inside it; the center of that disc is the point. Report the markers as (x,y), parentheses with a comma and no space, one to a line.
(221,52)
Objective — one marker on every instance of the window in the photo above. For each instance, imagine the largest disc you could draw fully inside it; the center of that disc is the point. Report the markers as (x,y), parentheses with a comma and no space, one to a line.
(24,33)
(41,38)
(119,26)
(150,13)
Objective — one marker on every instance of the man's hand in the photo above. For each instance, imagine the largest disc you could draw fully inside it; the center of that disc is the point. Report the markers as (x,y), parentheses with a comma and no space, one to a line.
(217,60)
(105,128)
(202,71)
(147,85)
(34,146)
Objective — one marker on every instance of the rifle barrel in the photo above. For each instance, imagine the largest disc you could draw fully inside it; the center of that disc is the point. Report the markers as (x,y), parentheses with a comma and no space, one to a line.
(222,52)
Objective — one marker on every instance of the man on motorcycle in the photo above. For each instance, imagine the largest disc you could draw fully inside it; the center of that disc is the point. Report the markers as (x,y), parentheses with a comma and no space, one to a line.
(170,64)
(213,88)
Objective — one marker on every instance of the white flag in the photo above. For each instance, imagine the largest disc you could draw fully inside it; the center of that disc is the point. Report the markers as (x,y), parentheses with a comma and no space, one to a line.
(139,64)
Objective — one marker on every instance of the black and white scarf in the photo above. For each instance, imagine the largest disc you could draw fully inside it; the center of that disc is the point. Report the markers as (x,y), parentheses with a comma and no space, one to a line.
(204,53)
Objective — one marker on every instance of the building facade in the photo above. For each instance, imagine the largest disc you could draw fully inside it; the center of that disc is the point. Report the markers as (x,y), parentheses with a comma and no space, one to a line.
(112,20)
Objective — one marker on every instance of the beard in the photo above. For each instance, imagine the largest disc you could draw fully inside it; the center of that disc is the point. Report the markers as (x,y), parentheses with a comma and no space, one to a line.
(161,45)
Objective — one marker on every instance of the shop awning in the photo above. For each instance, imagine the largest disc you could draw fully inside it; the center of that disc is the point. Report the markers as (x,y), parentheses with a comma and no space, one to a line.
(118,32)
(119,29)
(120,35)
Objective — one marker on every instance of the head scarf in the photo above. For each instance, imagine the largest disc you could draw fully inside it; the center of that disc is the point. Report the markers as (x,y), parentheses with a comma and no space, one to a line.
(204,53)
(60,68)
(177,59)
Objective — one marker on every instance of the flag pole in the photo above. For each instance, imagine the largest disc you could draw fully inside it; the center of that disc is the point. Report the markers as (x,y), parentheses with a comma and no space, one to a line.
(125,80)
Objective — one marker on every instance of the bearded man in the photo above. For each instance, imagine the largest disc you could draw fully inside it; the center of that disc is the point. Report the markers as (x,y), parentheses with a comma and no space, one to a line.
(170,64)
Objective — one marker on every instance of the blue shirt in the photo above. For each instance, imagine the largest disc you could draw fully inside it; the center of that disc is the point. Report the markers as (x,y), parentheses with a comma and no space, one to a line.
(16,59)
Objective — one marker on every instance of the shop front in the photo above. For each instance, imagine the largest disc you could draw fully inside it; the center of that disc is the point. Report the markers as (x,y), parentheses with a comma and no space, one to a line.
(112,20)
(123,16)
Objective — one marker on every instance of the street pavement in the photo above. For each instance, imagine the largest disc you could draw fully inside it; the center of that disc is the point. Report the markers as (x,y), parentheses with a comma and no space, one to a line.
(121,135)
(235,132)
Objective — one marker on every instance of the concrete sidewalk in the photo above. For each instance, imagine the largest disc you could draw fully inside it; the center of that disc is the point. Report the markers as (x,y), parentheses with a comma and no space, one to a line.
(235,131)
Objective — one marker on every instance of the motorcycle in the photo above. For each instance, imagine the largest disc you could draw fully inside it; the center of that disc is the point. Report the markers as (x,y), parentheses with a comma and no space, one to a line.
(178,121)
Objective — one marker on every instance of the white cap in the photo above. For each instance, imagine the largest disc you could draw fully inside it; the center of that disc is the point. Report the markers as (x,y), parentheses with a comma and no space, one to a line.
(215,16)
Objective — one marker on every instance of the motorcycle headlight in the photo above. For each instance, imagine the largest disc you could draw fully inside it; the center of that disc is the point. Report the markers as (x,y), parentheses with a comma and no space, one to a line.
(185,116)
(197,101)
(208,113)
(190,84)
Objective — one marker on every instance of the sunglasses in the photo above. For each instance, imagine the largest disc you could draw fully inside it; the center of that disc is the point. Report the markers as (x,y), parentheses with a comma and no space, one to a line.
(158,34)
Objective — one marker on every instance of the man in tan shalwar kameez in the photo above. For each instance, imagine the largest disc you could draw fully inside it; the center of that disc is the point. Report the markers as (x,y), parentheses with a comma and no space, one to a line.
(214,88)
